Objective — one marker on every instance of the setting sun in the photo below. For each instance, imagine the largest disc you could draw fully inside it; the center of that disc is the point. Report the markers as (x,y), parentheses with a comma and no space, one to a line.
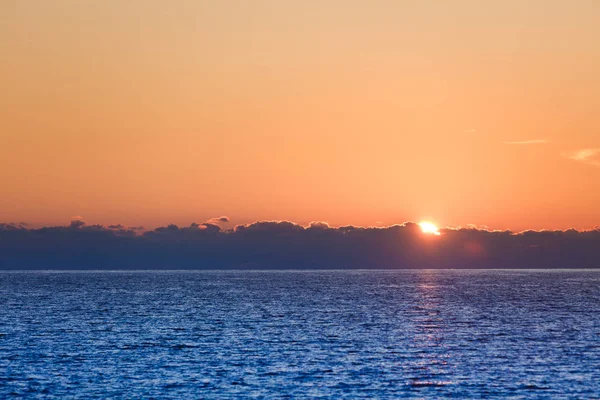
(428,227)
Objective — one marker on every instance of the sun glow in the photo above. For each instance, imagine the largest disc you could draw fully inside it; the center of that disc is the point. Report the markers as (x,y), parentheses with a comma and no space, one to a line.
(429,228)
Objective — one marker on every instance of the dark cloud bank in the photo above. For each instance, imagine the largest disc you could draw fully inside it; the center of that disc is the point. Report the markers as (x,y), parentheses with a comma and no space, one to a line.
(268,245)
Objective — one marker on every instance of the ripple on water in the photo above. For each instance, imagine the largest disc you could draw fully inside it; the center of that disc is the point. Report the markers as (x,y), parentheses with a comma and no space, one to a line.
(375,334)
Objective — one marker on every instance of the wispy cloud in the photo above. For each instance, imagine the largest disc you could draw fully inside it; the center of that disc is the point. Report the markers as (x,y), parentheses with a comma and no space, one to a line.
(586,156)
(532,141)
(224,219)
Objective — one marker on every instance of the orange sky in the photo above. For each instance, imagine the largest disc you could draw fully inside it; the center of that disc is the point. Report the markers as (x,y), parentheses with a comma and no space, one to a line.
(147,112)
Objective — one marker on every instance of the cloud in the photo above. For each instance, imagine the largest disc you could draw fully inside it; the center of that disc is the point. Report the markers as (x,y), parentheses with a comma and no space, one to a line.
(13,226)
(77,223)
(532,141)
(285,244)
(586,156)
(270,227)
(217,220)
(173,232)
(318,225)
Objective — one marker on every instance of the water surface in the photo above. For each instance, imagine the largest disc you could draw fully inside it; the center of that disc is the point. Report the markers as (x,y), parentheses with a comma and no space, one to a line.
(327,334)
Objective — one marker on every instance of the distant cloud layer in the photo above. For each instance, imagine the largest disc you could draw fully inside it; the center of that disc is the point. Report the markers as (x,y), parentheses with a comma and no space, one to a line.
(284,244)
(532,141)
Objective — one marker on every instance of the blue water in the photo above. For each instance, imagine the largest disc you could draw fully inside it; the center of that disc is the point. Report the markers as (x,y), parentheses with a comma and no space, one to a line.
(375,334)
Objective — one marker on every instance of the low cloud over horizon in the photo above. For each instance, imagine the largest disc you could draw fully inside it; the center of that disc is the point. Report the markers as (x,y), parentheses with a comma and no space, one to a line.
(284,245)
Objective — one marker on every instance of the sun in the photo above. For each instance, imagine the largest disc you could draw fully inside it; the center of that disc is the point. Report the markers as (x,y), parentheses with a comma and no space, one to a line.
(429,228)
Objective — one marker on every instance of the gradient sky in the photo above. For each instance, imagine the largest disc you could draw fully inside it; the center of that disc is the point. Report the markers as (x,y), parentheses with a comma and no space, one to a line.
(147,112)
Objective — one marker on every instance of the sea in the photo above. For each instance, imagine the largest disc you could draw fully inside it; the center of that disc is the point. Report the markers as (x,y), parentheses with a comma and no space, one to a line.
(300,334)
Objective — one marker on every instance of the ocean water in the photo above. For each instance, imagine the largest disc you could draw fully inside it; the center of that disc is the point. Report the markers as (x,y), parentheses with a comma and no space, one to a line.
(299,334)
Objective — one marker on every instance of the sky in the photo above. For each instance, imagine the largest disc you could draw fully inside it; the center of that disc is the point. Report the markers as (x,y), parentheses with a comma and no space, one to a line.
(365,113)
